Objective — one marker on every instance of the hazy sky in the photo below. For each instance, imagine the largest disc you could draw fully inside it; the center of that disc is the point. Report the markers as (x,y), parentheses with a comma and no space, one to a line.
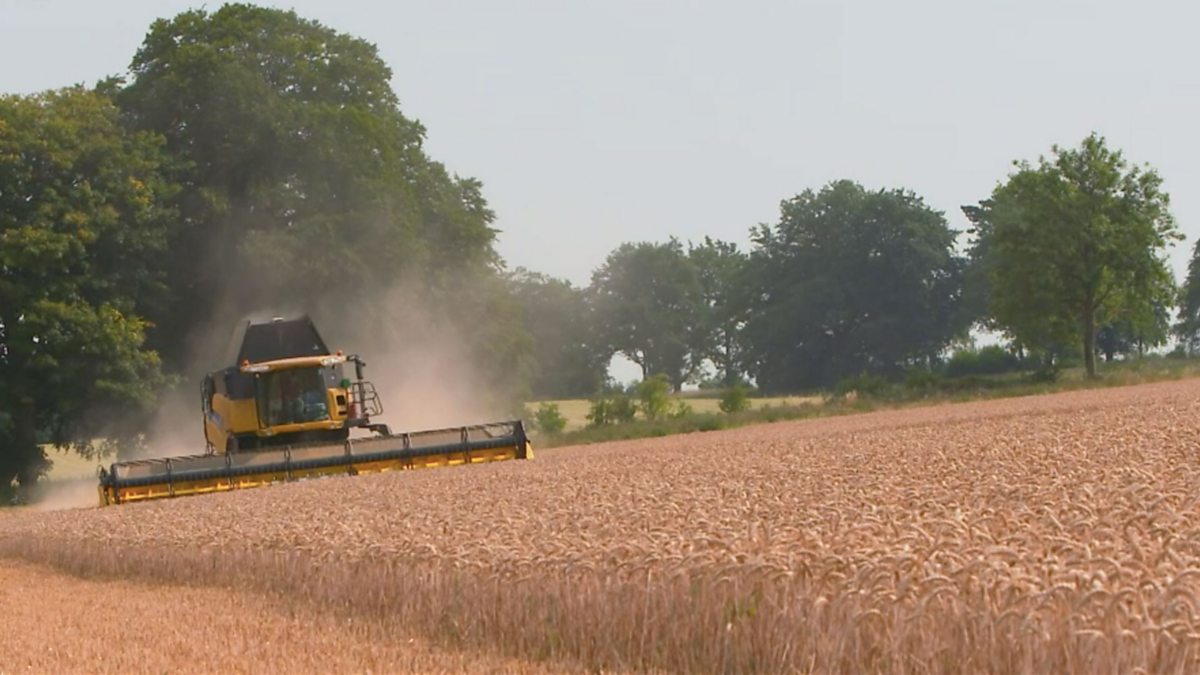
(594,123)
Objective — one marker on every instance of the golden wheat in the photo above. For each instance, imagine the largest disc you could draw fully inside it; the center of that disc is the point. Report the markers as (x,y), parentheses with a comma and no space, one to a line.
(1051,534)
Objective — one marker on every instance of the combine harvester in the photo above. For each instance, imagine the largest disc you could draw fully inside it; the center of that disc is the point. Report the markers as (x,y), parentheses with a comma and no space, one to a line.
(284,411)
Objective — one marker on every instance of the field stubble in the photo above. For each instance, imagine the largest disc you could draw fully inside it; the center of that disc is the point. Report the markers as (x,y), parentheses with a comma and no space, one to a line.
(1055,533)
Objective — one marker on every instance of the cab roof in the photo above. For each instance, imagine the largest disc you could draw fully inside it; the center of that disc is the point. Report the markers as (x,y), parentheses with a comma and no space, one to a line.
(277,339)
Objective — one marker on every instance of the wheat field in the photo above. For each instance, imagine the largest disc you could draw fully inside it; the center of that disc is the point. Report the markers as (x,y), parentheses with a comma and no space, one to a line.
(56,623)
(1057,533)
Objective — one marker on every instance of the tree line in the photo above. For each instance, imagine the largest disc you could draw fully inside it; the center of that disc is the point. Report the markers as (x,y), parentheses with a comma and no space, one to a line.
(1065,257)
(253,158)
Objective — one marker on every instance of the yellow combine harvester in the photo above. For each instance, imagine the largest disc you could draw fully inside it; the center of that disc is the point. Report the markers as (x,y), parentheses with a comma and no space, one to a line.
(284,411)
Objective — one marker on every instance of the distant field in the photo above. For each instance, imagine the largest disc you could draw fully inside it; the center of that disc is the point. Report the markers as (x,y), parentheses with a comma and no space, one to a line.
(71,465)
(576,409)
(1055,533)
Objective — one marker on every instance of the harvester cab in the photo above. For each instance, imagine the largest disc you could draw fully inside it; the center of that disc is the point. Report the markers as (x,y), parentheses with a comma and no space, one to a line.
(286,388)
(284,411)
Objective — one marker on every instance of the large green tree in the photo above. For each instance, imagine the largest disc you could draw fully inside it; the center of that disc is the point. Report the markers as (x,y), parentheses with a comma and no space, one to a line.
(82,230)
(849,281)
(302,178)
(649,307)
(570,360)
(1072,243)
(722,267)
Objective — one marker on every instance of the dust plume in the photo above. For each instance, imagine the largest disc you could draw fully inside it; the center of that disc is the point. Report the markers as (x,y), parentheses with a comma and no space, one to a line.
(76,493)
(422,362)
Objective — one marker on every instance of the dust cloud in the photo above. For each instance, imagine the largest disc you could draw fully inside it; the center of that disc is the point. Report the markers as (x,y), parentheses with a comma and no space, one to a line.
(419,357)
(77,493)
(421,362)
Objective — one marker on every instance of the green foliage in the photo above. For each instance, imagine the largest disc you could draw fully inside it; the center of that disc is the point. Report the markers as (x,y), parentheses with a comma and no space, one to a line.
(654,396)
(570,361)
(306,184)
(922,381)
(990,360)
(681,410)
(1187,327)
(1073,243)
(724,310)
(600,412)
(1046,372)
(850,281)
(648,301)
(615,408)
(969,387)
(734,400)
(549,419)
(82,229)
(1131,333)
(864,385)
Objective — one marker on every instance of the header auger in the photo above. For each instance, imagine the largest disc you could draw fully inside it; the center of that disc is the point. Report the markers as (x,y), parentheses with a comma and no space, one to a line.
(284,411)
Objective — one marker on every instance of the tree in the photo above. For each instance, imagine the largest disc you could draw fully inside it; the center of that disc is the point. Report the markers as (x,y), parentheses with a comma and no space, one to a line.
(850,281)
(1134,333)
(82,228)
(1074,243)
(654,396)
(1187,327)
(570,361)
(648,299)
(721,267)
(302,179)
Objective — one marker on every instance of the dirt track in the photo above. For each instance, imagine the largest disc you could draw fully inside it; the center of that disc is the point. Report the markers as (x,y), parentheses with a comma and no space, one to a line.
(1056,533)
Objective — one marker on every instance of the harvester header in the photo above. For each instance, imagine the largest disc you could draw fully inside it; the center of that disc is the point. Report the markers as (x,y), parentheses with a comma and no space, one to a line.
(284,410)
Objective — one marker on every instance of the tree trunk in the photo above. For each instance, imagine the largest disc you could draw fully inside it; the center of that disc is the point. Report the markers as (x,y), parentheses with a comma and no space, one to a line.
(29,457)
(1089,342)
(730,373)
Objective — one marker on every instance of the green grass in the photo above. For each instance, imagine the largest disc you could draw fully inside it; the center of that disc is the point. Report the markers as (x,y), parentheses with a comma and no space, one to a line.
(706,415)
(576,409)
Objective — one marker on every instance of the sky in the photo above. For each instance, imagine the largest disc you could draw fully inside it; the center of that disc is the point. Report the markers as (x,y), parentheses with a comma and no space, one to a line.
(596,123)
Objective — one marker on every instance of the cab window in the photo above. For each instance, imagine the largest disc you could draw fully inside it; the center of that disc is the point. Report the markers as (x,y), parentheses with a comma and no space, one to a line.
(292,396)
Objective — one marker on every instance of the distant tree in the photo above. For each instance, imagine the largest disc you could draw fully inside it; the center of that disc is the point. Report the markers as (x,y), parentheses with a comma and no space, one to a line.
(549,419)
(649,303)
(570,361)
(1187,327)
(1073,243)
(1134,333)
(721,268)
(82,229)
(654,398)
(850,281)
(735,399)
